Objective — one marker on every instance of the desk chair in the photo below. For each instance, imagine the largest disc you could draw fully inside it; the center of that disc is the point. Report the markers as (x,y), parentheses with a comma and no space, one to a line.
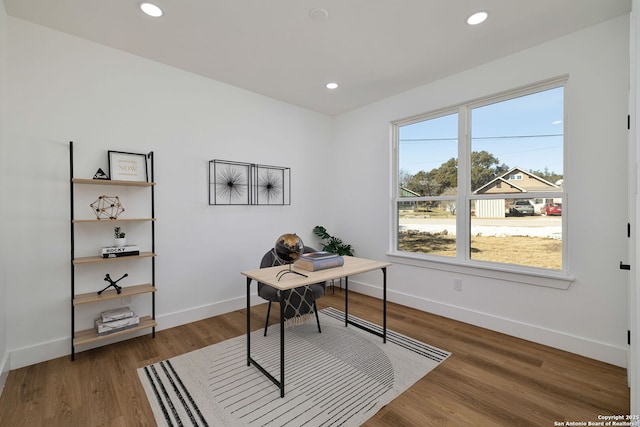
(271,294)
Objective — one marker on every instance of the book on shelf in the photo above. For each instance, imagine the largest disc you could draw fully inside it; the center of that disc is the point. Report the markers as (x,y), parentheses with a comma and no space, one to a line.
(319,264)
(116,314)
(319,255)
(119,251)
(116,319)
(121,254)
(105,328)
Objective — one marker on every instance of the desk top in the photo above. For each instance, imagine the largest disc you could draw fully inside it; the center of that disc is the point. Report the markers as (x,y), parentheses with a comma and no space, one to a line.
(352,265)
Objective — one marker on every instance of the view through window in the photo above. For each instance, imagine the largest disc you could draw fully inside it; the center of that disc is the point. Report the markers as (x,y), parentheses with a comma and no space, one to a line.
(484,182)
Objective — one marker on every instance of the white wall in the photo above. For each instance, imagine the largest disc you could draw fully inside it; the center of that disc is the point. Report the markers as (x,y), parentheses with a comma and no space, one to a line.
(591,317)
(64,88)
(4,361)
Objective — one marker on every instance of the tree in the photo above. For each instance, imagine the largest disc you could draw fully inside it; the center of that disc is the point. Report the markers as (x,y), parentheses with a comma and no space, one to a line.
(446,175)
(403,178)
(423,184)
(444,179)
(552,177)
(484,168)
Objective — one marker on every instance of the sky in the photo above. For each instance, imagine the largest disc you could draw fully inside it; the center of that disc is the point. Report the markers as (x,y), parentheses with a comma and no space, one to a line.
(526,132)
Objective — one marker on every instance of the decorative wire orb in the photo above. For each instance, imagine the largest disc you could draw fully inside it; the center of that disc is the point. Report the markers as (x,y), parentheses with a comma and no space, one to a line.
(107,207)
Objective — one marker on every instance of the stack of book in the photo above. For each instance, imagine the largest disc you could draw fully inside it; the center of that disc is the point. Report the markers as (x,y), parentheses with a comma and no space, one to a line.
(315,261)
(118,251)
(115,320)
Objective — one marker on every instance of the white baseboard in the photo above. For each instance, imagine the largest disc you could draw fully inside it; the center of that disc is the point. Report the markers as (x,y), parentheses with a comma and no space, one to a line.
(4,371)
(61,347)
(574,344)
(194,314)
(25,356)
(560,340)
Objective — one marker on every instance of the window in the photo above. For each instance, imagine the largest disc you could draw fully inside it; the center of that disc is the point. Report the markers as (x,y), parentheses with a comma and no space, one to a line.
(428,212)
(483,182)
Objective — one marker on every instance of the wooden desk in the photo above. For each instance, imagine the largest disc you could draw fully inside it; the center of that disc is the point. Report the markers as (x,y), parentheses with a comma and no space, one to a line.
(352,265)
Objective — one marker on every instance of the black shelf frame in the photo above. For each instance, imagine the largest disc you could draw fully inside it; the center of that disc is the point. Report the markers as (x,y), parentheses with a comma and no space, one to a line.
(150,159)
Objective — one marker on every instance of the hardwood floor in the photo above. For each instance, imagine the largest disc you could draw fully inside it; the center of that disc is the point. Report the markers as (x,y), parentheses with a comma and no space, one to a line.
(490,380)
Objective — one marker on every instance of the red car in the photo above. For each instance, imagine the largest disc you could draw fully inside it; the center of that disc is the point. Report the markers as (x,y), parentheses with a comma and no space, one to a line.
(552,209)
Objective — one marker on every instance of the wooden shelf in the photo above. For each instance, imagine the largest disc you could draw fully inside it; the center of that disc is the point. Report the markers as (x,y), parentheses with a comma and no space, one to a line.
(89,336)
(92,259)
(81,301)
(111,182)
(109,294)
(114,220)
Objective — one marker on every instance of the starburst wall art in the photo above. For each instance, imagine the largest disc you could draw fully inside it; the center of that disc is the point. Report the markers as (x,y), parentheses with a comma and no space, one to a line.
(238,183)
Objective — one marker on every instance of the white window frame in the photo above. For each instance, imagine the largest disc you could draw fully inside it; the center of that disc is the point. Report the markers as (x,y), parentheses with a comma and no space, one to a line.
(462,262)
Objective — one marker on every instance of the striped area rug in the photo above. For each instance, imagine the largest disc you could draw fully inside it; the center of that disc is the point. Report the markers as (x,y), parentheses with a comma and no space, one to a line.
(341,376)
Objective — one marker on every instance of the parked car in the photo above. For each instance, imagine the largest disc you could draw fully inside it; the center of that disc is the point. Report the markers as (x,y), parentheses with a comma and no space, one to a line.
(521,207)
(551,209)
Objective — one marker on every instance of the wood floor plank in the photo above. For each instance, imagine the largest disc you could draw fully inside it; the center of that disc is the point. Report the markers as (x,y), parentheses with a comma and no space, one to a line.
(491,379)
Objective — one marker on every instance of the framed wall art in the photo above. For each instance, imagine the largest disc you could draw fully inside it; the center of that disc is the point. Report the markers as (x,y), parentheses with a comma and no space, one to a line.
(239,183)
(128,166)
(229,183)
(272,185)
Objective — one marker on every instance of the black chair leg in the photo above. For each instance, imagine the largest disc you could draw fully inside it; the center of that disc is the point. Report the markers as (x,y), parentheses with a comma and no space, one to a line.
(315,308)
(266,323)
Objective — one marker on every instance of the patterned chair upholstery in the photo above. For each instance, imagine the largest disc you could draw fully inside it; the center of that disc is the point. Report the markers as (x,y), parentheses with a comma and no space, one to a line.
(270,293)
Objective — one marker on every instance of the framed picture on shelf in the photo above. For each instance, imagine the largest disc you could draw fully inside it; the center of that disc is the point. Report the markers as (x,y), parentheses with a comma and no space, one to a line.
(128,166)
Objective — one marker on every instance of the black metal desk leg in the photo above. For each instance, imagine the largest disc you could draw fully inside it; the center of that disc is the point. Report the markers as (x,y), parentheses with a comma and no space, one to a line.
(384,304)
(248,321)
(281,347)
(346,301)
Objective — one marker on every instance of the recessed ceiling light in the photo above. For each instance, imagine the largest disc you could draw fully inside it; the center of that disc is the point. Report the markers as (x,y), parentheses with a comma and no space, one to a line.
(318,14)
(151,9)
(477,18)
(332,85)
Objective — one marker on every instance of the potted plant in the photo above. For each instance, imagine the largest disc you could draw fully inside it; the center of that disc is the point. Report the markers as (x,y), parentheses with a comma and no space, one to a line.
(331,243)
(119,237)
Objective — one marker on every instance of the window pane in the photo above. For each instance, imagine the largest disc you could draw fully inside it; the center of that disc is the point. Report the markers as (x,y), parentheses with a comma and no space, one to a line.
(518,231)
(427,227)
(512,152)
(519,134)
(428,157)
(517,150)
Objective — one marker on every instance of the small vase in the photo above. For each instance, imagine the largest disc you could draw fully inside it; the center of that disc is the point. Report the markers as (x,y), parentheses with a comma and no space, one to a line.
(120,242)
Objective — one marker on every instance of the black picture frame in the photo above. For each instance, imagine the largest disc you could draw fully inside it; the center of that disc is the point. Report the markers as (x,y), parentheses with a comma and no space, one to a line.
(240,183)
(125,166)
(272,185)
(229,183)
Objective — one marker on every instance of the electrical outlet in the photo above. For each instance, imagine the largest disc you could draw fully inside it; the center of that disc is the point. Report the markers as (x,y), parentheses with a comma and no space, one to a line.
(457,285)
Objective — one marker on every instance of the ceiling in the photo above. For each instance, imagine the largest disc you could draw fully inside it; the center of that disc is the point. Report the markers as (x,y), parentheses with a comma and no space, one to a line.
(373,48)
